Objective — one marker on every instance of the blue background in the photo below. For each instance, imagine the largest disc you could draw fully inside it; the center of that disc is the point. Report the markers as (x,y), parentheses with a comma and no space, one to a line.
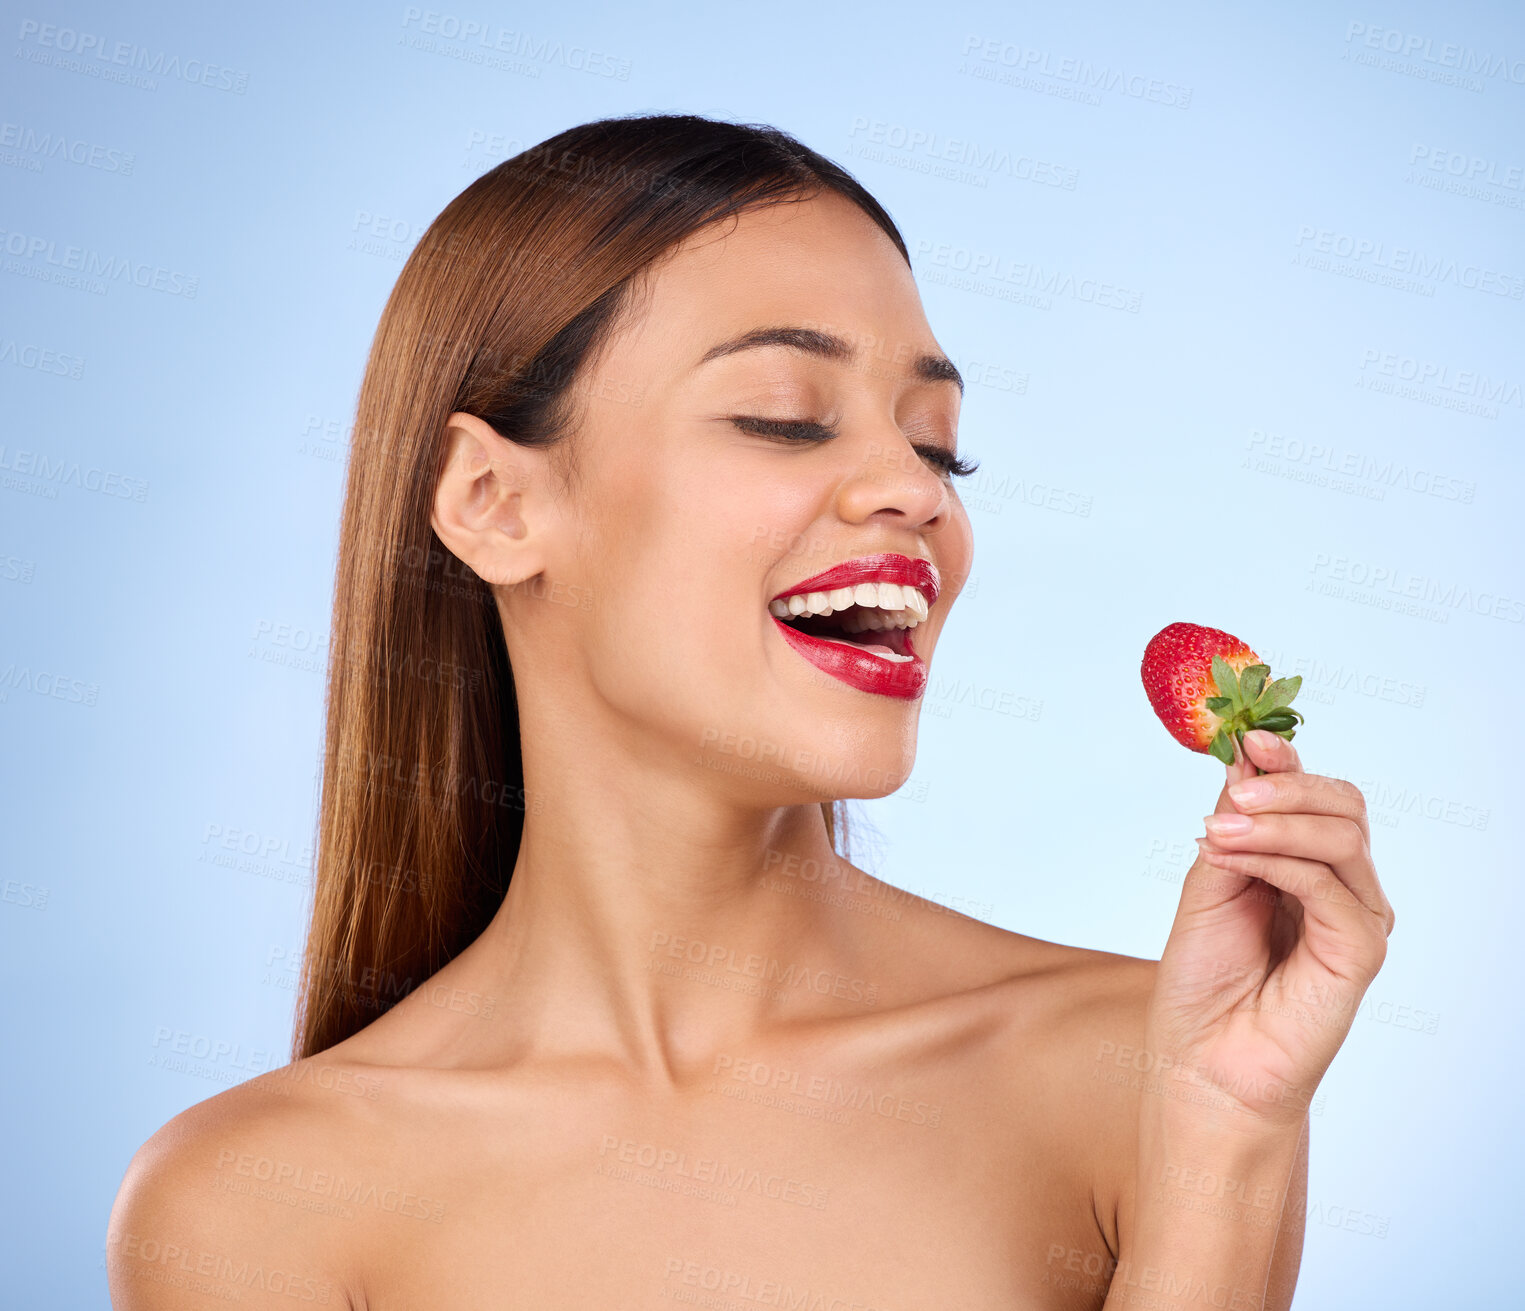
(1236,449)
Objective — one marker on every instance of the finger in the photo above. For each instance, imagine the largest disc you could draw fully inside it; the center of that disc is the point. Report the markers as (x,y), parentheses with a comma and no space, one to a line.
(1313,794)
(1209,887)
(1274,754)
(1262,751)
(1338,927)
(1241,767)
(1333,840)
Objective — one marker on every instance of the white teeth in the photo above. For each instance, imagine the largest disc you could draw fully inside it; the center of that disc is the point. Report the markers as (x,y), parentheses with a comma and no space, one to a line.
(875,606)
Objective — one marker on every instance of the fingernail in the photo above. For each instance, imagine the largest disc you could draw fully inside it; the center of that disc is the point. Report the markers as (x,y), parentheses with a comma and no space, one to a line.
(1225,824)
(1251,791)
(1264,738)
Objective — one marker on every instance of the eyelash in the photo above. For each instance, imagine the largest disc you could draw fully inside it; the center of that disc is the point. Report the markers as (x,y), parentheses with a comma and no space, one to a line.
(809,430)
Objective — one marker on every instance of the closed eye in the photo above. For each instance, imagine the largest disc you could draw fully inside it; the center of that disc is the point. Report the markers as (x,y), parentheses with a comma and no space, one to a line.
(809,430)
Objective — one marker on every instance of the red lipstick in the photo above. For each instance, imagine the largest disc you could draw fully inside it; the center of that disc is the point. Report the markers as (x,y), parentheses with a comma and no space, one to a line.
(849,662)
(920,574)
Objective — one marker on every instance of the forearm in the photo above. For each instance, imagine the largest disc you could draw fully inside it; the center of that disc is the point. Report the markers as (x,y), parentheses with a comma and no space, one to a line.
(1214,1209)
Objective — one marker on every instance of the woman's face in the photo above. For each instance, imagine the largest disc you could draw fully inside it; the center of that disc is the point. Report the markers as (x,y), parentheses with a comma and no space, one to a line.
(681,526)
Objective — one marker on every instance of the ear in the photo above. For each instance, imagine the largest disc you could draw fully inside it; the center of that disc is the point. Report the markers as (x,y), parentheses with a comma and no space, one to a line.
(492,507)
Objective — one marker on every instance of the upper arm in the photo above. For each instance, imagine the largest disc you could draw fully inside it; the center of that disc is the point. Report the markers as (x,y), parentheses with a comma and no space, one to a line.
(180,1238)
(1110,1074)
(1125,1073)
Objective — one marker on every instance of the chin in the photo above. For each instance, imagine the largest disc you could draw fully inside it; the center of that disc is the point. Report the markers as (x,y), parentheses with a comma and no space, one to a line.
(863,748)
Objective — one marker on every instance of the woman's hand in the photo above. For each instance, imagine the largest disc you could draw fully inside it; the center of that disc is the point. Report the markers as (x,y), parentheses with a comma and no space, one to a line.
(1280,930)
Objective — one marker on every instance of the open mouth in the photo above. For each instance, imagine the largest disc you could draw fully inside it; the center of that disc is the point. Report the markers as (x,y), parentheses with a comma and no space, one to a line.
(874,618)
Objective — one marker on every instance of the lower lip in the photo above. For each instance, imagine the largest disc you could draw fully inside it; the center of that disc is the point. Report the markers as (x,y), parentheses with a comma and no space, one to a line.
(906,679)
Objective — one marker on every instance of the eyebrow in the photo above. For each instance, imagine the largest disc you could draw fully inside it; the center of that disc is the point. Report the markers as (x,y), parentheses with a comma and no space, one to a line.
(927,367)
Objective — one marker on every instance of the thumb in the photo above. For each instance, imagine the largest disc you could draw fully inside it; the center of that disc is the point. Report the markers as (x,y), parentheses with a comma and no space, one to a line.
(1206,887)
(1242,768)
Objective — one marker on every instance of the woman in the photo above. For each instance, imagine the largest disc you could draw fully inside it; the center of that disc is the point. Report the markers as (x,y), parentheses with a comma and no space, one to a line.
(636,389)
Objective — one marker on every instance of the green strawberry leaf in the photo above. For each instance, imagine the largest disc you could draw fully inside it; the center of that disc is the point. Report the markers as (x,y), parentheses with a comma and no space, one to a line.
(1284,689)
(1251,679)
(1217,704)
(1276,722)
(1221,746)
(1226,679)
(1266,701)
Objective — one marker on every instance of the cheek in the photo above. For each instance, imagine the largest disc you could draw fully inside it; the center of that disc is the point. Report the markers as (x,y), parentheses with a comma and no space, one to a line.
(681,565)
(775,528)
(742,530)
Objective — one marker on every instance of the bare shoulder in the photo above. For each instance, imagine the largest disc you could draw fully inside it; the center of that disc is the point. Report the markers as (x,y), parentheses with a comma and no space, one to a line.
(1073,987)
(1060,1029)
(224,1202)
(1084,1041)
(1078,1011)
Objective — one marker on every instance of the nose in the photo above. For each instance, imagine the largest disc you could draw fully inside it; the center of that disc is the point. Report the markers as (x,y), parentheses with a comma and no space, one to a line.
(892,479)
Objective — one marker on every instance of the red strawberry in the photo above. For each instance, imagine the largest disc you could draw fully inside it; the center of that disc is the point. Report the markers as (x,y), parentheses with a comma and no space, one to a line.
(1185,665)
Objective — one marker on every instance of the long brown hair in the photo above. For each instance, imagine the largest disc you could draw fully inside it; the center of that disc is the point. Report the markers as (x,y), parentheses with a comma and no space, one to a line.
(510,291)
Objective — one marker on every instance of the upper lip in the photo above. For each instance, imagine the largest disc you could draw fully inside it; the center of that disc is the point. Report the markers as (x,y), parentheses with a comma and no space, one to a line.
(886,568)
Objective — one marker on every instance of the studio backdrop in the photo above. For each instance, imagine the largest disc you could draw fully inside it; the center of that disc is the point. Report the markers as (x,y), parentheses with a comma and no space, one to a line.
(1238,297)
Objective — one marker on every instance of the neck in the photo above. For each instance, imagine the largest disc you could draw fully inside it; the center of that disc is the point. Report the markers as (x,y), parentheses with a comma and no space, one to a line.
(650,917)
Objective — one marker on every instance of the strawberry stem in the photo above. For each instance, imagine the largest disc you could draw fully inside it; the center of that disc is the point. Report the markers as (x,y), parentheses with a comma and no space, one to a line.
(1251,702)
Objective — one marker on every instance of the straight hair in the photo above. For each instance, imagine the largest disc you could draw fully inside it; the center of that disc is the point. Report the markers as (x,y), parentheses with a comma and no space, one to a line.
(508,294)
